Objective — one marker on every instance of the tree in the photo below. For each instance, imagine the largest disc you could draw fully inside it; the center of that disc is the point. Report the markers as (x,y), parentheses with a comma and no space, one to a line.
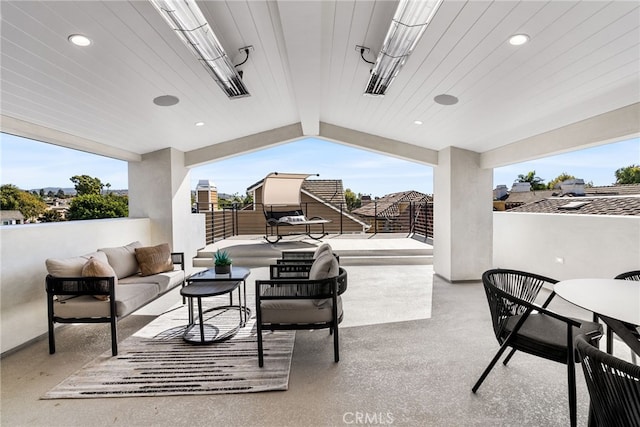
(559,180)
(628,175)
(51,216)
(95,206)
(240,201)
(60,194)
(29,205)
(536,182)
(353,201)
(86,184)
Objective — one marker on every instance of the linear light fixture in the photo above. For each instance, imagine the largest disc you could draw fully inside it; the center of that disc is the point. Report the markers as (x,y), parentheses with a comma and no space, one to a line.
(187,20)
(407,26)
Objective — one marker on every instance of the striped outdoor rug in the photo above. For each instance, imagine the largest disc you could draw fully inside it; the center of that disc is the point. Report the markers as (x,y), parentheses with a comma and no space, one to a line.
(156,361)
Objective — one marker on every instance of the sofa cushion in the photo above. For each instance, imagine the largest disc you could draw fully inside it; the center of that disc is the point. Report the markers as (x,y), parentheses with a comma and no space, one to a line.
(123,259)
(163,281)
(296,311)
(154,259)
(128,299)
(96,268)
(71,267)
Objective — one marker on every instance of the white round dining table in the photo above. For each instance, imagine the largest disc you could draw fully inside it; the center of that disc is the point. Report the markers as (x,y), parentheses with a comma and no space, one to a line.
(614,298)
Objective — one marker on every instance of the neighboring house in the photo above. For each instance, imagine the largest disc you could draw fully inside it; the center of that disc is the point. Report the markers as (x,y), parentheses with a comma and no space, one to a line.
(606,200)
(396,211)
(586,205)
(59,205)
(320,198)
(11,217)
(509,201)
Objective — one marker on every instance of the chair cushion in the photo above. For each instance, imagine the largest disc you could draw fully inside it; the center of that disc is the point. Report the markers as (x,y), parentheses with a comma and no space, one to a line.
(300,311)
(321,249)
(154,259)
(123,259)
(546,336)
(96,268)
(324,266)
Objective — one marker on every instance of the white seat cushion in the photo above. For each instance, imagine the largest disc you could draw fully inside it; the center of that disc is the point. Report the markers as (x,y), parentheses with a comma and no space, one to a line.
(297,311)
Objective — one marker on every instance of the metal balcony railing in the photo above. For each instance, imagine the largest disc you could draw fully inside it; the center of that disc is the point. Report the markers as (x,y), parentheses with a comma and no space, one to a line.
(412,218)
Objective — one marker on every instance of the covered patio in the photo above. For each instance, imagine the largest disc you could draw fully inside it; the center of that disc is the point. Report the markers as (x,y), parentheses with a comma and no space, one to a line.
(576,84)
(412,345)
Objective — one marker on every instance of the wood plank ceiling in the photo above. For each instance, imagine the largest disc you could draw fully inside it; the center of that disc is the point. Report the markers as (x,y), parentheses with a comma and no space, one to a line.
(583,60)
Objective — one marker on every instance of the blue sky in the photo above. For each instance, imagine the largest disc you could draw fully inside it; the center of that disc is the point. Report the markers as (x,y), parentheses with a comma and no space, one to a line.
(33,165)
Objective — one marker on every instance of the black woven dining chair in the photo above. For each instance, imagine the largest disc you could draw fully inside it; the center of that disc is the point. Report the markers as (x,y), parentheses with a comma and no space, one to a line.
(614,387)
(520,323)
(633,329)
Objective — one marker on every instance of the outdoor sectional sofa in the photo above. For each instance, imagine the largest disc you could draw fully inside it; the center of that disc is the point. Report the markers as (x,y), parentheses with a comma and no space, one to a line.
(109,284)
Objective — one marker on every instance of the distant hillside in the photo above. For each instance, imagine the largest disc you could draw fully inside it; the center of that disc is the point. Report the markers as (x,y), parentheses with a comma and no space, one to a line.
(69,191)
(72,191)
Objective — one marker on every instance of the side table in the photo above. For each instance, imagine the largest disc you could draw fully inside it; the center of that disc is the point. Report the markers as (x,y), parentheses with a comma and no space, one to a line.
(209,333)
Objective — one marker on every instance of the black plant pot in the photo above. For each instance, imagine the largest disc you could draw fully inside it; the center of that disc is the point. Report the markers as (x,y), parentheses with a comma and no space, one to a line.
(223,269)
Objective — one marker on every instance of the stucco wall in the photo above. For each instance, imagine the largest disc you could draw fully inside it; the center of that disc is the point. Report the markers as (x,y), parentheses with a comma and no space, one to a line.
(24,249)
(566,246)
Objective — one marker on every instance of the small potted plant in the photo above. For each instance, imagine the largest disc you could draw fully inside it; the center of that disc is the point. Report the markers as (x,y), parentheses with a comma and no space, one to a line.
(222,262)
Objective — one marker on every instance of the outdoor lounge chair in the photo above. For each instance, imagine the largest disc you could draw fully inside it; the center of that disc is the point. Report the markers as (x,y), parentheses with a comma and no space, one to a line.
(304,296)
(283,208)
(521,324)
(613,384)
(305,257)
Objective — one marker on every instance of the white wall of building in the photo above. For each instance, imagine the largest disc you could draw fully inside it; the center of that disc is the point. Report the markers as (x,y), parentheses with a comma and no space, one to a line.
(24,249)
(566,246)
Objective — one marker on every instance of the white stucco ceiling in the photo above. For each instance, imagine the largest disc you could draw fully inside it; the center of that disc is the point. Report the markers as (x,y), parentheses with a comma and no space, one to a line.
(306,77)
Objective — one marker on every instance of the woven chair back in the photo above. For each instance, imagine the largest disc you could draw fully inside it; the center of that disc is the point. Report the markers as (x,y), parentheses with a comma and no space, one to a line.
(504,288)
(613,384)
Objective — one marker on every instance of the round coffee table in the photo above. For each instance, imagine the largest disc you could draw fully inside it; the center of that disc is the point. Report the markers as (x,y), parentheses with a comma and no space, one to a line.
(208,333)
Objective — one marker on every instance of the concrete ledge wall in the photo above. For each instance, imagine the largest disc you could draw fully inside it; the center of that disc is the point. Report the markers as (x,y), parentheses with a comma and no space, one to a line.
(23,307)
(566,246)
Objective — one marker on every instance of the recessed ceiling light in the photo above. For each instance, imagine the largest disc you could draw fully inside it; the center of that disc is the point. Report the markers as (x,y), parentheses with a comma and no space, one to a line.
(166,100)
(79,40)
(518,39)
(417,122)
(445,99)
(199,123)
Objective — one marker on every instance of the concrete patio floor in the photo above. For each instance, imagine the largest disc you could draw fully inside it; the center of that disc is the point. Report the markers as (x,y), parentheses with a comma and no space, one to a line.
(412,346)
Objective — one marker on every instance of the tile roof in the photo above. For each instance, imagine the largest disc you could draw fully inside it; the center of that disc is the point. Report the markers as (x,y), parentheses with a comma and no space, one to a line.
(519,198)
(388,206)
(603,205)
(329,190)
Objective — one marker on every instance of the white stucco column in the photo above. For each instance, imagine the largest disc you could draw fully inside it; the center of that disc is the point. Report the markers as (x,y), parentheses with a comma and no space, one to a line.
(159,189)
(463,216)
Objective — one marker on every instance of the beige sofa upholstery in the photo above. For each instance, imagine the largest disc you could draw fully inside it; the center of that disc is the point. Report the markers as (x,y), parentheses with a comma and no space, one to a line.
(76,298)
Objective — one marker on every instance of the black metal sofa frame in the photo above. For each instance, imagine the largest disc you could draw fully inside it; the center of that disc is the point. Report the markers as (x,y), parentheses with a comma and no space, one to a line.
(79,286)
